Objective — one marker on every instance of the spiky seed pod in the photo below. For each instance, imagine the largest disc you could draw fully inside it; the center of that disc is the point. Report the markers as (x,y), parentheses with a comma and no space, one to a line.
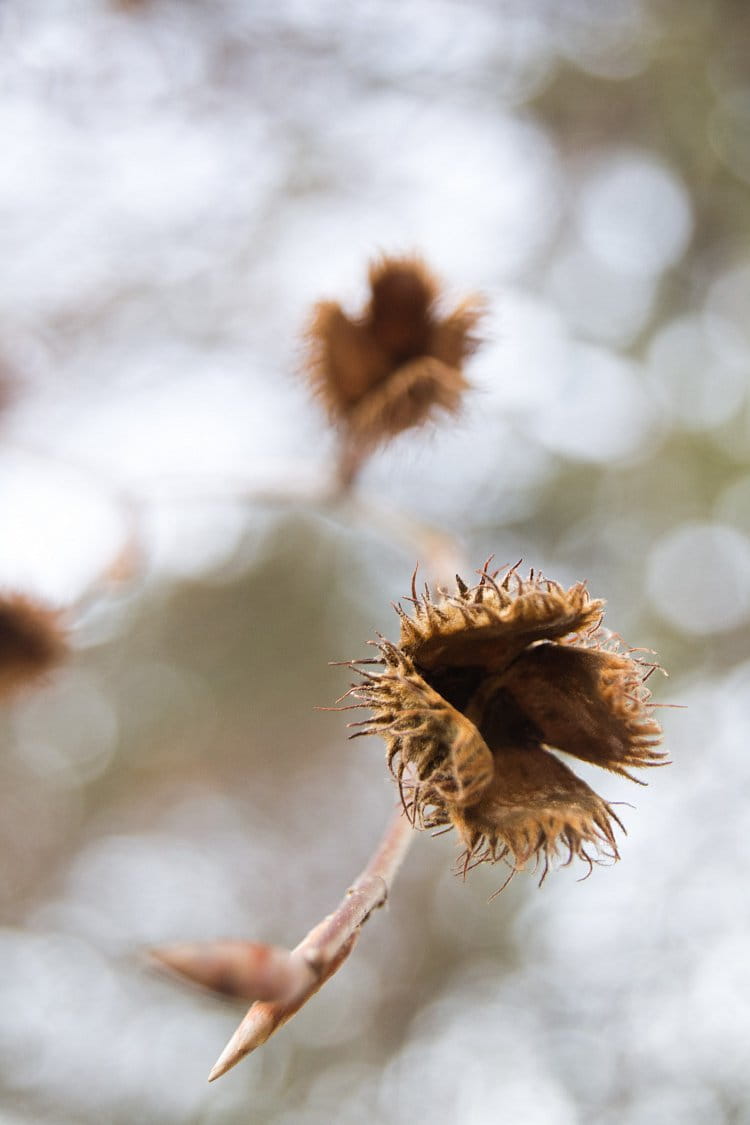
(388,369)
(482,684)
(32,642)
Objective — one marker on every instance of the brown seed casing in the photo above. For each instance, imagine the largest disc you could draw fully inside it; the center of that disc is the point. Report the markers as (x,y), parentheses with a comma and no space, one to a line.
(32,642)
(388,369)
(482,686)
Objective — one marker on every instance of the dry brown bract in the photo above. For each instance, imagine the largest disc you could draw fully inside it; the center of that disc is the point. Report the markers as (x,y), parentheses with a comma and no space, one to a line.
(386,370)
(482,682)
(32,642)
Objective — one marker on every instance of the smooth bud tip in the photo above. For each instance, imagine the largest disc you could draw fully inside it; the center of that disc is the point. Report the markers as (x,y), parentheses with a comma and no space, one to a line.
(226,1060)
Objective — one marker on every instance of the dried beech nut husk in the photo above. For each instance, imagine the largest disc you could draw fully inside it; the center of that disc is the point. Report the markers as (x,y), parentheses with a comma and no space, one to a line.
(32,643)
(482,686)
(390,368)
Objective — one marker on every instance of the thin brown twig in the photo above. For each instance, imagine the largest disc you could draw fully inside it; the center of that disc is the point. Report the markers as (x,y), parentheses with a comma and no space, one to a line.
(438,550)
(280,981)
(327,945)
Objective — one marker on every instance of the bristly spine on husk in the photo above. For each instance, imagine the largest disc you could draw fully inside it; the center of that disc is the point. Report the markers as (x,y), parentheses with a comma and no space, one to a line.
(482,685)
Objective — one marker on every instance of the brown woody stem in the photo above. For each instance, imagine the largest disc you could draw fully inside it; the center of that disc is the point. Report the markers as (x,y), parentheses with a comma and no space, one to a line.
(327,945)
